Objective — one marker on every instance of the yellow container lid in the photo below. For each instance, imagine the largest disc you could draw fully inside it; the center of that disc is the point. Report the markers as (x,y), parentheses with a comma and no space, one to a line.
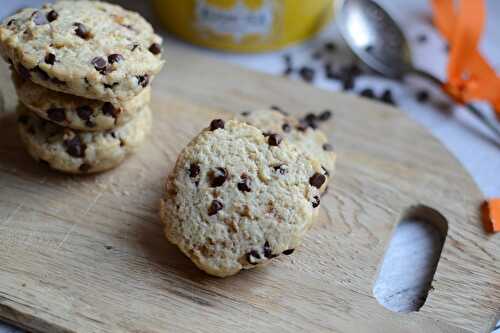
(244,25)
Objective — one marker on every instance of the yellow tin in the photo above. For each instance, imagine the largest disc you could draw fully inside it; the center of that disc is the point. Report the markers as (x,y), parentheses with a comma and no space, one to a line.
(244,25)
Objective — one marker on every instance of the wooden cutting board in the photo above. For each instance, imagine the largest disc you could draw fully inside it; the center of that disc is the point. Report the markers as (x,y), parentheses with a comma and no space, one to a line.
(87,254)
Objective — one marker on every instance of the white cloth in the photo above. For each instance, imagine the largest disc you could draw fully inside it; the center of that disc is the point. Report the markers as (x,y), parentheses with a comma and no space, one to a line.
(460,133)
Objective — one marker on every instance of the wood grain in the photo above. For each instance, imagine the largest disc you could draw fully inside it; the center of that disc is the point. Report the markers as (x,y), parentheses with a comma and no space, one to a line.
(87,254)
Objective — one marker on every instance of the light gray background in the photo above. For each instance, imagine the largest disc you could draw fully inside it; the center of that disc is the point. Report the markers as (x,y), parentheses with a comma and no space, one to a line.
(414,245)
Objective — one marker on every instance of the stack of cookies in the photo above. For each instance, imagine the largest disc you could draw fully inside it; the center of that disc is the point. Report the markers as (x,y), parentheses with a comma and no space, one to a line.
(82,72)
(246,191)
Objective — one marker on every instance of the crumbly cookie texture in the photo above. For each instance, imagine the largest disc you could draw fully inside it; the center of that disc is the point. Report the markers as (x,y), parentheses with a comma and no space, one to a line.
(312,142)
(78,113)
(238,198)
(90,49)
(81,152)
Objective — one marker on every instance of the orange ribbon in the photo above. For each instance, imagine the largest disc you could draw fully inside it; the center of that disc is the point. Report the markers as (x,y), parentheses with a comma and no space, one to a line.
(470,77)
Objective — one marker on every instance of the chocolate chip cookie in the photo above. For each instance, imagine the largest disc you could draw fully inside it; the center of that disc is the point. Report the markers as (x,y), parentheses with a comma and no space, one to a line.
(81,152)
(77,112)
(238,198)
(90,49)
(312,142)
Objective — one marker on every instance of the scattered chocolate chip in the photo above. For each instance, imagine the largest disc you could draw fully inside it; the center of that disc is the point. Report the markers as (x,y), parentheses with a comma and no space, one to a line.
(316,201)
(75,147)
(82,31)
(422,96)
(245,113)
(122,143)
(9,60)
(143,80)
(11,22)
(268,251)
(194,170)
(110,86)
(280,110)
(287,71)
(280,169)
(368,93)
(52,16)
(387,97)
(325,115)
(23,72)
(317,180)
(326,172)
(288,252)
(155,48)
(330,46)
(39,18)
(216,124)
(113,134)
(85,167)
(56,114)
(327,147)
(215,206)
(274,139)
(99,64)
(245,184)
(134,47)
(307,74)
(422,38)
(23,119)
(252,256)
(217,177)
(50,58)
(310,118)
(84,112)
(108,109)
(41,73)
(109,247)
(90,124)
(286,127)
(115,58)
(369,48)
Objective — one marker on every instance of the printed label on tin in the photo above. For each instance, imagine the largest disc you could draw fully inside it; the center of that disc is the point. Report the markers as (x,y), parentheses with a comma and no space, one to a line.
(238,22)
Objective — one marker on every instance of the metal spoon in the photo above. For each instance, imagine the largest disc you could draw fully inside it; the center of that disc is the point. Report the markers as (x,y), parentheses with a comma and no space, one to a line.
(378,41)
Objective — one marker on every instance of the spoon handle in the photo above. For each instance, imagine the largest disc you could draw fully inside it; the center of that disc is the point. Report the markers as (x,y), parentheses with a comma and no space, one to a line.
(475,111)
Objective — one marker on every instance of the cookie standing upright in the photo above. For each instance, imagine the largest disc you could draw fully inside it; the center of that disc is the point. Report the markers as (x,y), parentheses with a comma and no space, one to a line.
(312,142)
(238,198)
(90,49)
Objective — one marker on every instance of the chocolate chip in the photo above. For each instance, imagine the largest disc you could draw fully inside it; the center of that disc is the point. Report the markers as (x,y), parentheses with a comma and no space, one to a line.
(310,118)
(422,96)
(326,172)
(286,127)
(280,110)
(122,143)
(52,16)
(288,252)
(268,251)
(317,180)
(143,80)
(216,124)
(245,113)
(23,72)
(90,124)
(85,167)
(82,31)
(325,115)
(84,112)
(287,71)
(110,86)
(108,109)
(134,47)
(367,93)
(11,22)
(194,170)
(327,147)
(422,38)
(307,74)
(115,58)
(39,18)
(245,184)
(215,206)
(274,139)
(56,114)
(316,201)
(75,147)
(217,177)
(155,48)
(41,73)
(387,97)
(330,46)
(252,256)
(23,119)
(280,169)
(99,64)
(50,58)
(369,48)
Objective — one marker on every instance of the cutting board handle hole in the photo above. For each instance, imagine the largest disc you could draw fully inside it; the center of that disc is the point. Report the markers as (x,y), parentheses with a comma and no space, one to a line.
(405,275)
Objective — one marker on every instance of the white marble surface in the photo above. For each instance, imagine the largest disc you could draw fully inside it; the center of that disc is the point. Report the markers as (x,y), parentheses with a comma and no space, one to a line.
(463,136)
